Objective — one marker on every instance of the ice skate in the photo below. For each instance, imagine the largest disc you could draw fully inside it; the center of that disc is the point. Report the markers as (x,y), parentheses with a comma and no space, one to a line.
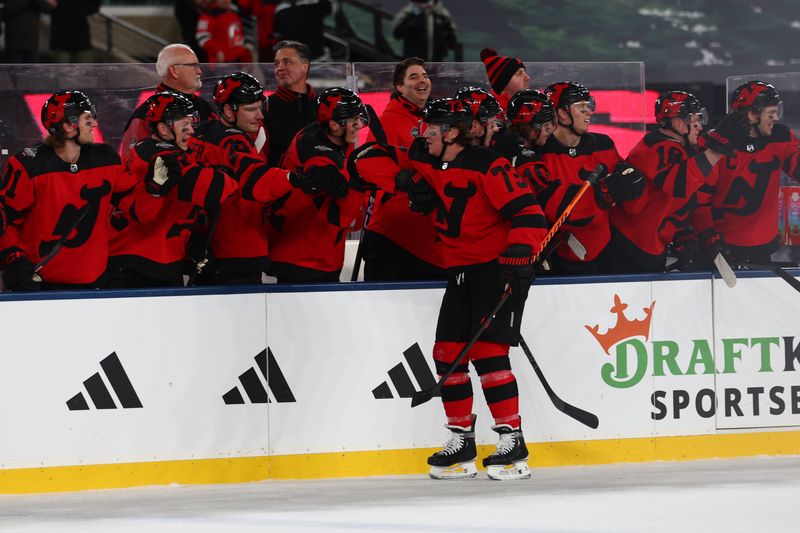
(509,461)
(457,459)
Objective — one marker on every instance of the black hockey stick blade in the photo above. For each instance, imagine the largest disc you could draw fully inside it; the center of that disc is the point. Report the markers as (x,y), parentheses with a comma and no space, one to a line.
(584,417)
(424,395)
(778,271)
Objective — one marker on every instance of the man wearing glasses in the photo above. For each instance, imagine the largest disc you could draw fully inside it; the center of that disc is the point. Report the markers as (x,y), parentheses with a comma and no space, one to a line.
(179,72)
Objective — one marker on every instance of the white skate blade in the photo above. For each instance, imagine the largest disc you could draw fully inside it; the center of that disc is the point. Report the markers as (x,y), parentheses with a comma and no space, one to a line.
(456,471)
(518,470)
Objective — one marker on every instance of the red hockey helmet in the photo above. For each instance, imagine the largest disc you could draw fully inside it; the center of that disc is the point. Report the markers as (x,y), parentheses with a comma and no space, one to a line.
(167,107)
(65,106)
(339,104)
(756,95)
(236,89)
(530,107)
(481,104)
(565,93)
(678,104)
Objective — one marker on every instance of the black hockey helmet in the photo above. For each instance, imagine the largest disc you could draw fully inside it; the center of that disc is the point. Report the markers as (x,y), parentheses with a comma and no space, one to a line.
(756,95)
(565,93)
(168,107)
(530,107)
(236,89)
(447,112)
(339,104)
(678,104)
(65,106)
(481,103)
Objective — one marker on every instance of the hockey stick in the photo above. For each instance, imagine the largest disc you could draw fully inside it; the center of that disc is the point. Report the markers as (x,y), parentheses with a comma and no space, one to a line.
(58,245)
(778,271)
(380,135)
(725,270)
(426,394)
(584,417)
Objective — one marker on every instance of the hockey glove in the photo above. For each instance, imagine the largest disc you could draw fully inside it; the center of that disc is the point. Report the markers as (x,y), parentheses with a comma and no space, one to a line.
(19,274)
(357,181)
(516,269)
(686,248)
(421,197)
(713,243)
(729,135)
(164,172)
(625,183)
(321,179)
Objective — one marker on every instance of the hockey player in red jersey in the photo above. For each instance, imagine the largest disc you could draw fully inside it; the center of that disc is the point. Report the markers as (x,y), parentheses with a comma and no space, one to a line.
(490,224)
(675,171)
(745,201)
(58,196)
(507,75)
(400,245)
(570,154)
(487,115)
(308,229)
(149,251)
(220,33)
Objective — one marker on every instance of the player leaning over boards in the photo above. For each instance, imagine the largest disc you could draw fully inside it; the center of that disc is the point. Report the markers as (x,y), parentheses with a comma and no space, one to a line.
(489,224)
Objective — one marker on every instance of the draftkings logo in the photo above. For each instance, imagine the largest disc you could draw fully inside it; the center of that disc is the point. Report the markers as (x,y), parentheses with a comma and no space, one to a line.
(113,374)
(253,380)
(401,380)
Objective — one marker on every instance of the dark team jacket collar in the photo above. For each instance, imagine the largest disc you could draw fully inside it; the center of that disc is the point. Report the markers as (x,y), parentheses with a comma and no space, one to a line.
(290,96)
(163,87)
(400,100)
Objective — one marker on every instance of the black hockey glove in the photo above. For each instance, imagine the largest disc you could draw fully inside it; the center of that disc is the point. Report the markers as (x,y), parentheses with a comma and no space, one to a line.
(625,183)
(686,248)
(163,173)
(516,269)
(19,275)
(421,197)
(320,179)
(729,135)
(713,243)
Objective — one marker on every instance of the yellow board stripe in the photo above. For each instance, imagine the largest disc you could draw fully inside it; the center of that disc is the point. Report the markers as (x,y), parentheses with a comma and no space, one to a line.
(386,462)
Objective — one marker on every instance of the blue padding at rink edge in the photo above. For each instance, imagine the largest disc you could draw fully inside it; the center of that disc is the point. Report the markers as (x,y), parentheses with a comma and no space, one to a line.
(358,286)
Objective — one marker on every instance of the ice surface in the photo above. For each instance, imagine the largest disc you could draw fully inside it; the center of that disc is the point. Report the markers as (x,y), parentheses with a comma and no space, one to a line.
(754,494)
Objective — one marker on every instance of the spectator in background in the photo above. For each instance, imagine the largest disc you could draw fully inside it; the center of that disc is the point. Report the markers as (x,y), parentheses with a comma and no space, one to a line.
(427,30)
(292,106)
(302,20)
(187,12)
(22,19)
(507,75)
(70,36)
(264,11)
(220,33)
(179,71)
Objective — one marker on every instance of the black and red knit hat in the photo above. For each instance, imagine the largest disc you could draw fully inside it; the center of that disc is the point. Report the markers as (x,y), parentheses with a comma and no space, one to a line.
(500,69)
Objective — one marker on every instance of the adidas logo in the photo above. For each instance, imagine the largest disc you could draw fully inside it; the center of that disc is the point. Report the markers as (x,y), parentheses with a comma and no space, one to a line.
(116,376)
(253,386)
(399,377)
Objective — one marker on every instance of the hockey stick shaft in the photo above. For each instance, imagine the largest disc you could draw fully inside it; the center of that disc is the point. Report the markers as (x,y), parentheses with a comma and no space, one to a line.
(584,417)
(424,395)
(725,270)
(778,271)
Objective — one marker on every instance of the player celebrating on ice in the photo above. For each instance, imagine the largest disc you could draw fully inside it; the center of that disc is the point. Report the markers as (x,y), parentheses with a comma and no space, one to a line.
(489,224)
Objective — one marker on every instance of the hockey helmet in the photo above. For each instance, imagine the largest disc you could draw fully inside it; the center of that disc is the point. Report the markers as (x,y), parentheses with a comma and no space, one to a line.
(530,107)
(167,107)
(339,104)
(565,93)
(65,106)
(678,104)
(481,103)
(755,94)
(236,89)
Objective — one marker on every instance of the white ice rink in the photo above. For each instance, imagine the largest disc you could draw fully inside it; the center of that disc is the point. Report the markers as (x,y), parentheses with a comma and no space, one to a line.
(752,495)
